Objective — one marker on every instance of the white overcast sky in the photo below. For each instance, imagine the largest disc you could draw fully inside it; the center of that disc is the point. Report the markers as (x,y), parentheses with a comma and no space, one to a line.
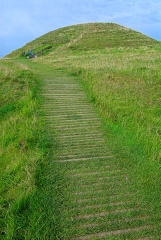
(24,20)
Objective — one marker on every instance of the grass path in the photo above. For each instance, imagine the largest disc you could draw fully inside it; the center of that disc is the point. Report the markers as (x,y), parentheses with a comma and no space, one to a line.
(99,201)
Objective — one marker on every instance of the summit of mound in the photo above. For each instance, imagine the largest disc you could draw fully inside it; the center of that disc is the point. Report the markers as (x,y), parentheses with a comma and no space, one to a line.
(89,36)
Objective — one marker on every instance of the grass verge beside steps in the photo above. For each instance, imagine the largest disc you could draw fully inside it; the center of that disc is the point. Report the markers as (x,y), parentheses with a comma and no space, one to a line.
(25,158)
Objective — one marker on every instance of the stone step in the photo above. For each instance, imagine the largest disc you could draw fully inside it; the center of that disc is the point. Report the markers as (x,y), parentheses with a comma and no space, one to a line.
(77,116)
(115,233)
(84,159)
(79,120)
(50,106)
(96,175)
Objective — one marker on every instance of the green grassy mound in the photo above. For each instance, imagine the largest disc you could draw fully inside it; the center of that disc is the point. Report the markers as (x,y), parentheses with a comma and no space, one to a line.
(120,72)
(82,37)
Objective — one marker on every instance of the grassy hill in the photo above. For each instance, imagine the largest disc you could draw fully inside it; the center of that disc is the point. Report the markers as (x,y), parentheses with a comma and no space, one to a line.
(86,37)
(119,70)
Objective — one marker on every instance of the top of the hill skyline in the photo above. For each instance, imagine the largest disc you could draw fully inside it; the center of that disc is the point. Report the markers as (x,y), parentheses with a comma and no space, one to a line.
(89,36)
(23,21)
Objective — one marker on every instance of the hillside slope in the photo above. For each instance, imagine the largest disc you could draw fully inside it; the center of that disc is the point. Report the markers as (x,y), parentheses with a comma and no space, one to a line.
(98,174)
(89,36)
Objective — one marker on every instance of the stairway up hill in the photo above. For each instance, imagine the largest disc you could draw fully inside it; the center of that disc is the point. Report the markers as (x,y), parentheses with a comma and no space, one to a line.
(89,36)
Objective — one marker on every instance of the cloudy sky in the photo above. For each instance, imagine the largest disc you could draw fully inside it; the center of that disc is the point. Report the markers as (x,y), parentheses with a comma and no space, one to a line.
(22,21)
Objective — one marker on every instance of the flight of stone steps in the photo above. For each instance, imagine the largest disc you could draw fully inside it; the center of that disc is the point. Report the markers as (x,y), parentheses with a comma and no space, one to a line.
(103,203)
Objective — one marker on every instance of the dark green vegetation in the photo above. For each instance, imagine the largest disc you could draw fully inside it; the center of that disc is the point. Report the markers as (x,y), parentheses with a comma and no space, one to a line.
(119,69)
